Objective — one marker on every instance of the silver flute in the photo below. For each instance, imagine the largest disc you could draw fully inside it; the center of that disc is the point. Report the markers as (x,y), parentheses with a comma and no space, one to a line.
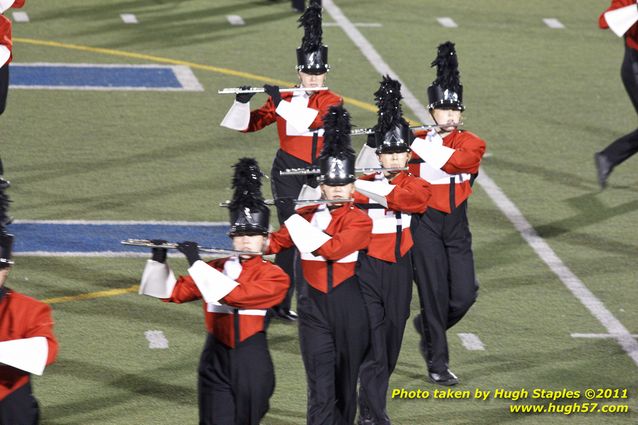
(173,245)
(365,131)
(310,171)
(322,201)
(239,90)
(226,204)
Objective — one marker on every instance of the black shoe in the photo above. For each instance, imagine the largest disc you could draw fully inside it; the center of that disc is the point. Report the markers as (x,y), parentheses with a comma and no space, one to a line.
(283,314)
(367,420)
(603,169)
(446,378)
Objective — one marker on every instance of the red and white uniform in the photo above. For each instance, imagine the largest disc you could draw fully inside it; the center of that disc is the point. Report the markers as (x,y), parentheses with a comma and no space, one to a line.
(262,285)
(5,33)
(297,143)
(631,36)
(6,44)
(409,195)
(457,156)
(350,230)
(333,324)
(23,317)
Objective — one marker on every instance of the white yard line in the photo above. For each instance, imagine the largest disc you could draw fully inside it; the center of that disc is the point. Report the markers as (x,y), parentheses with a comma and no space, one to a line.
(235,20)
(375,59)
(20,17)
(507,207)
(447,22)
(187,78)
(471,341)
(569,279)
(597,336)
(156,340)
(553,23)
(129,18)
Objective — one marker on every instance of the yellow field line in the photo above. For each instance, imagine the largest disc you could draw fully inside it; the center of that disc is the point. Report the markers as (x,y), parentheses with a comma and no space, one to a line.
(92,295)
(159,59)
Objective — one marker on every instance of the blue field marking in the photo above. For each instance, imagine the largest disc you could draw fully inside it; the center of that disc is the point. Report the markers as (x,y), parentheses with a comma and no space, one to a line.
(33,237)
(59,76)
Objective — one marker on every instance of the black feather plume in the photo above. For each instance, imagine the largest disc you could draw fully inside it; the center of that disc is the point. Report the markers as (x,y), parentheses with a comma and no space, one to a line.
(447,67)
(311,22)
(247,185)
(388,100)
(336,136)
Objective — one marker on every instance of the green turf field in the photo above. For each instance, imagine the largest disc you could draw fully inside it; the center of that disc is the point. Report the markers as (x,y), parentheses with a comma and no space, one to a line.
(544,100)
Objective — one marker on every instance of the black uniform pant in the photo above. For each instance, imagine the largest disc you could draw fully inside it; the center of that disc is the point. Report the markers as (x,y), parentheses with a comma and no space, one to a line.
(4,87)
(235,384)
(387,292)
(19,407)
(333,336)
(285,190)
(444,273)
(627,145)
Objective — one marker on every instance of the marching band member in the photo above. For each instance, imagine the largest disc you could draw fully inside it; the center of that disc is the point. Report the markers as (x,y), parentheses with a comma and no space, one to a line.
(235,376)
(299,126)
(333,324)
(442,255)
(5,49)
(385,273)
(627,145)
(27,342)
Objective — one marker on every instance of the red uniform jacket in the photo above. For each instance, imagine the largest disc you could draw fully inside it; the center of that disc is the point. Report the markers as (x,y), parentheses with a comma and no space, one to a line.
(411,195)
(5,29)
(350,230)
(23,317)
(464,162)
(631,36)
(297,146)
(262,285)
(5,35)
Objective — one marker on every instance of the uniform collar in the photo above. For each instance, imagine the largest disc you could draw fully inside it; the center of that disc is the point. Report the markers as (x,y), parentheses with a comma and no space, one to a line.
(251,262)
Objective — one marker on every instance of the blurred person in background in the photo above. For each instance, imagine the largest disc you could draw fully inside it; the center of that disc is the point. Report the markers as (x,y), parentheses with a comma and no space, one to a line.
(624,147)
(6,46)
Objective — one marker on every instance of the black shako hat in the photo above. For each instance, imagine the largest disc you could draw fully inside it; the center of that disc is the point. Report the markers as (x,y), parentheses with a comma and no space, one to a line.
(446,91)
(6,239)
(249,214)
(312,55)
(337,158)
(392,132)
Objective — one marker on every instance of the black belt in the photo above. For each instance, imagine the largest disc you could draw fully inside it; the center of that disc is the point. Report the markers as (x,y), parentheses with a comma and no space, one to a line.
(452,193)
(315,141)
(397,246)
(236,325)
